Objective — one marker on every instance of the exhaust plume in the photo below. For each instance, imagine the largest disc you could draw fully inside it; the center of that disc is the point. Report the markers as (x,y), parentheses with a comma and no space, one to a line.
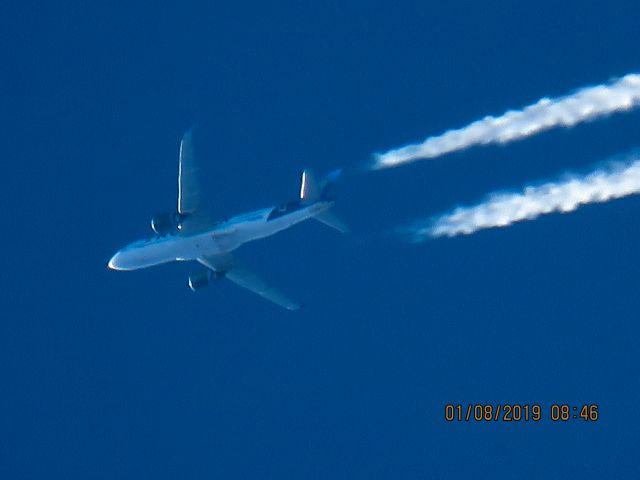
(587,104)
(616,180)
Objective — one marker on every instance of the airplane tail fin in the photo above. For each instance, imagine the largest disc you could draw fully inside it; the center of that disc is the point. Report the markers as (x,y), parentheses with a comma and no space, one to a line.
(311,191)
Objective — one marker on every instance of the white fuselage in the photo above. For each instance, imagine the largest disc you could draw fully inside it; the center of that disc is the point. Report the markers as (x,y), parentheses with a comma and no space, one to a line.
(222,238)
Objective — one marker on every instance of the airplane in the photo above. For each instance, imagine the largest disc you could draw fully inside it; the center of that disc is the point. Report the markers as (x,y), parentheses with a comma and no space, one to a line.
(188,233)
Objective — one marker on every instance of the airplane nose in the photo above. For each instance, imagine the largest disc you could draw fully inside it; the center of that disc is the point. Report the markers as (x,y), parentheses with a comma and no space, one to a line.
(113,263)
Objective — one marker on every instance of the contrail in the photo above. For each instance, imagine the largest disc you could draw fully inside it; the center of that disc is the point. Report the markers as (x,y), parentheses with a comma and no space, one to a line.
(616,180)
(584,105)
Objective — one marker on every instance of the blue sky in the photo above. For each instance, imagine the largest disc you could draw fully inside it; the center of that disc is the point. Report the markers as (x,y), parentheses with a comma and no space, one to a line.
(107,374)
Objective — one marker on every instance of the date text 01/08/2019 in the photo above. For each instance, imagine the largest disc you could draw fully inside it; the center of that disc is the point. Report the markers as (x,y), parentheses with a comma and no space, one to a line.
(520,412)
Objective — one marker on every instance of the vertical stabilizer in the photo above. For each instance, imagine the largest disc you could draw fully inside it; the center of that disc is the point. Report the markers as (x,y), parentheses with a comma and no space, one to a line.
(309,191)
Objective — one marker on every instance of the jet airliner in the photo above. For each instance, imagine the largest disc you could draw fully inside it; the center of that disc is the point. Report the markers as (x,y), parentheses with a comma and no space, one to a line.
(189,234)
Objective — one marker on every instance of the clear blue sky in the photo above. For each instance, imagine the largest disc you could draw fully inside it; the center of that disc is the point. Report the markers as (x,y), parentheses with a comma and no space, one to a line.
(130,375)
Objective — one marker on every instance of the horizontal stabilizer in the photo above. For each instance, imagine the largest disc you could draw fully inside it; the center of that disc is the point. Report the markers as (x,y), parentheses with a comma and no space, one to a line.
(329,218)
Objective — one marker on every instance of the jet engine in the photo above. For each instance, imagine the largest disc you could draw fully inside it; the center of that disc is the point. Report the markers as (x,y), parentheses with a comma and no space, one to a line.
(200,279)
(166,223)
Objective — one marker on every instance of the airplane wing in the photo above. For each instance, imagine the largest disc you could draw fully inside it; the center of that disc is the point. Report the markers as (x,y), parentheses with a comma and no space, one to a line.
(246,279)
(189,192)
(190,197)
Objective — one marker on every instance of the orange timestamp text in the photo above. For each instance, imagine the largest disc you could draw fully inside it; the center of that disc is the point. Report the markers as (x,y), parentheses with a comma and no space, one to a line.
(516,412)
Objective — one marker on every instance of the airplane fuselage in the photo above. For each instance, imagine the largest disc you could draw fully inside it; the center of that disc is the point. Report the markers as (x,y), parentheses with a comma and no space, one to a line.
(224,237)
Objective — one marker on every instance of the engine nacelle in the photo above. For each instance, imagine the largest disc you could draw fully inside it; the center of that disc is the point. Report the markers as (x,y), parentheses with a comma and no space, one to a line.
(166,223)
(200,279)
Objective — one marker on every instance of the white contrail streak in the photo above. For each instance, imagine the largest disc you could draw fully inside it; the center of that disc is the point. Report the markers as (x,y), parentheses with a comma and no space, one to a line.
(584,105)
(616,180)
